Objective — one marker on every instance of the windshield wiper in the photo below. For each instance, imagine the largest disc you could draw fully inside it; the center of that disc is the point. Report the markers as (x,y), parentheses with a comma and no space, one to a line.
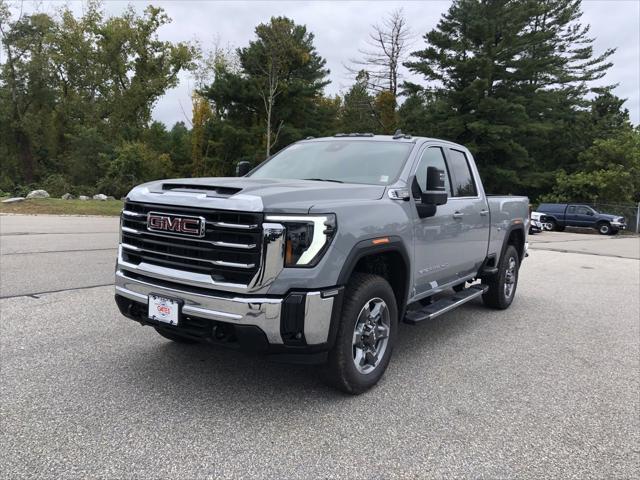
(324,180)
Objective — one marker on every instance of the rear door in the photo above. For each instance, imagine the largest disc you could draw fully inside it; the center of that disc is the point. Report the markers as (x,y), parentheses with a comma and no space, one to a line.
(570,217)
(470,212)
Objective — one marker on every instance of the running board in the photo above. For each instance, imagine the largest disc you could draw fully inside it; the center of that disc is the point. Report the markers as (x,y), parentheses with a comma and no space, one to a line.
(444,305)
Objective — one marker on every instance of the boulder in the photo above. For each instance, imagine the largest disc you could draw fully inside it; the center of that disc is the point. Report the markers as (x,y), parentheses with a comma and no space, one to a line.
(67,196)
(83,197)
(100,196)
(109,197)
(38,194)
(13,200)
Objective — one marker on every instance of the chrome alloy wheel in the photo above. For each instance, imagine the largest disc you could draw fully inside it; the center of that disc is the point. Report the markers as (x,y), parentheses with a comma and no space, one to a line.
(510,277)
(371,335)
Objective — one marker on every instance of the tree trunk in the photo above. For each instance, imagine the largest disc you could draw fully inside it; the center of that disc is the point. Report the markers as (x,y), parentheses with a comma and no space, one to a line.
(269,107)
(26,156)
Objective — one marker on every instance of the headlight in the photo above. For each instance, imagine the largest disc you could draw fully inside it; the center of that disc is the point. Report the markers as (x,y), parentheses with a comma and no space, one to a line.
(307,237)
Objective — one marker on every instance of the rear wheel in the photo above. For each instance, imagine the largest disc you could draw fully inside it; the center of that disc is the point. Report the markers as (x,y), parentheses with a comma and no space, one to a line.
(502,285)
(174,337)
(553,225)
(604,228)
(366,335)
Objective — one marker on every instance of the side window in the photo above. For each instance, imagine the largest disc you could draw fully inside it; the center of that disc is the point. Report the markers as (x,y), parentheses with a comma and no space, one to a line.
(583,211)
(431,157)
(571,210)
(463,184)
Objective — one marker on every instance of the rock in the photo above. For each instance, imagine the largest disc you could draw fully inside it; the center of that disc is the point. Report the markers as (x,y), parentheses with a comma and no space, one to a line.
(109,197)
(100,196)
(38,194)
(67,196)
(83,197)
(13,200)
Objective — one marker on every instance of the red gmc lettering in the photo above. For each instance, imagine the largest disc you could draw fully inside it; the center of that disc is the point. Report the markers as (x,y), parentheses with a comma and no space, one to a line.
(189,226)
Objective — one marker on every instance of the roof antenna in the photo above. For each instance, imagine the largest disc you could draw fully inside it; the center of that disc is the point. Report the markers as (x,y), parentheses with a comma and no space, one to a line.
(398,134)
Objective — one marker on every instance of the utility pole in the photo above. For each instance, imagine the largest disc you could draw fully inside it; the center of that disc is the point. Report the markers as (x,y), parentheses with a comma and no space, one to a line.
(638,218)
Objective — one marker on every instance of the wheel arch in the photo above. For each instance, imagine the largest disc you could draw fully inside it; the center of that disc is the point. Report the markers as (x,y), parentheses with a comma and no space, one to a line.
(389,258)
(515,236)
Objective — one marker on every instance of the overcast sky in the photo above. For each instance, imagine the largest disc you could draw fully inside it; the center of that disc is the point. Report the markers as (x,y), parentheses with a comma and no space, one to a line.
(341,28)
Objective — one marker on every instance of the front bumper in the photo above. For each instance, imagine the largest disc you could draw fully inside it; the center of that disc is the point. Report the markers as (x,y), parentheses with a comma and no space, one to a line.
(298,323)
(619,225)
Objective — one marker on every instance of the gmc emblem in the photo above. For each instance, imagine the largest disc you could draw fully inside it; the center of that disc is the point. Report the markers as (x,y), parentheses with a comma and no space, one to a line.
(176,224)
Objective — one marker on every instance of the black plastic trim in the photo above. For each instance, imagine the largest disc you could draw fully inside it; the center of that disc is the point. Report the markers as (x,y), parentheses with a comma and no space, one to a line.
(292,319)
(365,248)
(505,242)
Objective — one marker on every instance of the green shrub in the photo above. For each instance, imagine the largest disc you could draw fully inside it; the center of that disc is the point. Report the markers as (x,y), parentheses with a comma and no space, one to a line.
(56,185)
(135,163)
(21,190)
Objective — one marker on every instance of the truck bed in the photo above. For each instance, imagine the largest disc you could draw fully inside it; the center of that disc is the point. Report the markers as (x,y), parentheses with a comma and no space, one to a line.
(505,211)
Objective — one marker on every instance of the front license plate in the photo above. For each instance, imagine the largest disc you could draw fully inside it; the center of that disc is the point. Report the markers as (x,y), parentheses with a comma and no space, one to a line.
(163,309)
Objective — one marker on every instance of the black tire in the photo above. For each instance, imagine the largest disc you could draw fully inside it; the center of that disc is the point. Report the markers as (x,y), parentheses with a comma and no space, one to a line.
(175,337)
(604,228)
(340,370)
(496,296)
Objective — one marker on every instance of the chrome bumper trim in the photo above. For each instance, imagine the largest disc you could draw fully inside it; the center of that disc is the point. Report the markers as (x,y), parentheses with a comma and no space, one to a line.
(317,318)
(261,312)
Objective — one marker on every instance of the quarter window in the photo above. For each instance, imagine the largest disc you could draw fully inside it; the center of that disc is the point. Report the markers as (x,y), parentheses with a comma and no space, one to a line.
(432,157)
(463,184)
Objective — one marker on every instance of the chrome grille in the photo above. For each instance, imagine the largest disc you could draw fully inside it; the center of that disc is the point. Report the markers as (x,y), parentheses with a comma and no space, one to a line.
(229,252)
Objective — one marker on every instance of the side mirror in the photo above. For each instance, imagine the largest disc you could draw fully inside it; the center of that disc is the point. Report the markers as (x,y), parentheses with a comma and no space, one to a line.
(435,193)
(242,168)
(590,213)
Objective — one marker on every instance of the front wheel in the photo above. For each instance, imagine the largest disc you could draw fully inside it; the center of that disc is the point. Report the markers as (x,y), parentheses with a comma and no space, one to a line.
(502,285)
(366,335)
(604,228)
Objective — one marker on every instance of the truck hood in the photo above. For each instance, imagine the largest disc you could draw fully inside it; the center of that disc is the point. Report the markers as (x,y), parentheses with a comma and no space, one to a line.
(247,194)
(607,216)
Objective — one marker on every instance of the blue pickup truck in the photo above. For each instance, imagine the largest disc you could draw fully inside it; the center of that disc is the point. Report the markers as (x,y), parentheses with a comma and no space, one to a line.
(562,215)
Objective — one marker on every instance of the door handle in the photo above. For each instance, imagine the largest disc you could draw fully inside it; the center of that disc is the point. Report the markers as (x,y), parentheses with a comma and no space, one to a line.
(484,213)
(458,215)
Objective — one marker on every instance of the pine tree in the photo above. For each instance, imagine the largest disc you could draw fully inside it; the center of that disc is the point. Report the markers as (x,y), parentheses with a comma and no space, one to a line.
(504,77)
(357,113)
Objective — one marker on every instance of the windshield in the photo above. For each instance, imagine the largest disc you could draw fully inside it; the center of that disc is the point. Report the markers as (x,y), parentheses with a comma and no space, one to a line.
(348,161)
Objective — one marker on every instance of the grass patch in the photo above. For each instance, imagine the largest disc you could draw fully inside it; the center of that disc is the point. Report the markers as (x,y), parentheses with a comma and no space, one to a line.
(57,206)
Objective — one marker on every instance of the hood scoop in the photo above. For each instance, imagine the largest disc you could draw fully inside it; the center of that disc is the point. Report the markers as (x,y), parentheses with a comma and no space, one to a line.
(208,190)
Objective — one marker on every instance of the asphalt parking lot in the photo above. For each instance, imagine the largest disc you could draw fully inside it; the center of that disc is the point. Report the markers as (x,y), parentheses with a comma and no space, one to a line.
(548,388)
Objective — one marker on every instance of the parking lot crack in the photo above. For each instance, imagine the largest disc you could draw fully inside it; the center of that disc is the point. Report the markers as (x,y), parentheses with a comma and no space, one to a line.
(37,294)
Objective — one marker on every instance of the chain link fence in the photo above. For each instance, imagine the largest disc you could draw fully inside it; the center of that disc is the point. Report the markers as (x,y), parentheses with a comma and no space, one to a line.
(628,211)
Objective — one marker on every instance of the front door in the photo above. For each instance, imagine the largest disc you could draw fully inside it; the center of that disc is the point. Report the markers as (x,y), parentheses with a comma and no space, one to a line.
(584,216)
(436,239)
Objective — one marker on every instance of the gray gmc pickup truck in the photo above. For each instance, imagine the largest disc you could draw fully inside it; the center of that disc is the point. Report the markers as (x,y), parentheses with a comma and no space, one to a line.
(317,254)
